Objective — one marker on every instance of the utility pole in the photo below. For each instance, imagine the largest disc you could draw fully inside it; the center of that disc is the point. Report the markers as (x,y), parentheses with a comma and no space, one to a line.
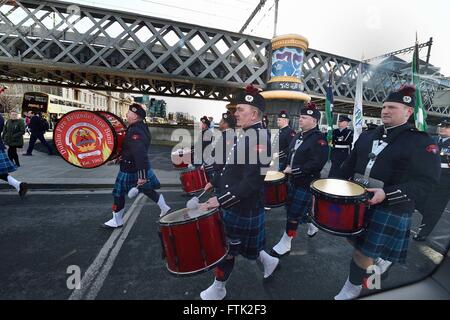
(258,7)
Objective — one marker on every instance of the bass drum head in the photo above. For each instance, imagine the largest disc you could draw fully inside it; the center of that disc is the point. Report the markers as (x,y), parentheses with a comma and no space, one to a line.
(338,187)
(85,139)
(272,176)
(183,215)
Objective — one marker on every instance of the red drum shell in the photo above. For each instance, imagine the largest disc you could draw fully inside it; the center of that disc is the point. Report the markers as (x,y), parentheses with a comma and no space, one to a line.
(193,180)
(194,245)
(120,128)
(275,192)
(338,214)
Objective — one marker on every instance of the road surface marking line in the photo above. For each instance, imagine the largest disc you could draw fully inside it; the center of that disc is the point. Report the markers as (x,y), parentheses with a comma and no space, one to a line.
(94,269)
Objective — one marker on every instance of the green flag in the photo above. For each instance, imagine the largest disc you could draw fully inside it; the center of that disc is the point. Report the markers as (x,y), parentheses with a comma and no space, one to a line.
(420,114)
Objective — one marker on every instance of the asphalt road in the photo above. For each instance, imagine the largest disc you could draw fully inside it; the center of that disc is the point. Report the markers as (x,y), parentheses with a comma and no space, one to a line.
(47,235)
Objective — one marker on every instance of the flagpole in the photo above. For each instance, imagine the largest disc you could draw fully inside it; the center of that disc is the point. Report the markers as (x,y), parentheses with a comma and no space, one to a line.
(358,108)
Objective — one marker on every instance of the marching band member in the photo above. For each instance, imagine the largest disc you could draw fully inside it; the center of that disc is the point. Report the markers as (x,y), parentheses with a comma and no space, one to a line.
(399,164)
(308,154)
(222,146)
(135,169)
(437,200)
(240,187)
(342,145)
(284,138)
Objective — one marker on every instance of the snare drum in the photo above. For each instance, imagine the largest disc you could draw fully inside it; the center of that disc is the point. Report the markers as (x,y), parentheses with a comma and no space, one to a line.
(193,180)
(193,241)
(181,158)
(338,206)
(275,190)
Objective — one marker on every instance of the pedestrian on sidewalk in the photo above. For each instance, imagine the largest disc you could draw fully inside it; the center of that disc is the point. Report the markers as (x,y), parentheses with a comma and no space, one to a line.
(12,135)
(6,167)
(27,121)
(135,168)
(38,126)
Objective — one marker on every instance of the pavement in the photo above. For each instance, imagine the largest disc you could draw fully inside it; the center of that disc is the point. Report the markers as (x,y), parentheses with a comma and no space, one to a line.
(42,171)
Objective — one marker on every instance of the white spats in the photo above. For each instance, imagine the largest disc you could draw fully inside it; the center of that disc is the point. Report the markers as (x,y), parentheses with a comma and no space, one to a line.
(312,230)
(349,291)
(216,291)
(14,183)
(133,192)
(284,246)
(270,263)
(116,221)
(383,264)
(192,204)
(163,205)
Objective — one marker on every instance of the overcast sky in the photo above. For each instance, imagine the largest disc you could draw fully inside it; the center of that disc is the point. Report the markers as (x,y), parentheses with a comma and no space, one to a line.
(350,28)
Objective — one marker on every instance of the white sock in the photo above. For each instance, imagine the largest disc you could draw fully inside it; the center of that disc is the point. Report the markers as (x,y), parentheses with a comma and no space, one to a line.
(163,205)
(13,182)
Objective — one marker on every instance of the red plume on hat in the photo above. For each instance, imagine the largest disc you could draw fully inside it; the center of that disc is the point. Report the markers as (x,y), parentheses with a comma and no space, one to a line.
(407,90)
(250,89)
(311,105)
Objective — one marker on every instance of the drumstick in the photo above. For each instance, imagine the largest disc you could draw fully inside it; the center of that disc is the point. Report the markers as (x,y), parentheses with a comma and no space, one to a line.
(193,203)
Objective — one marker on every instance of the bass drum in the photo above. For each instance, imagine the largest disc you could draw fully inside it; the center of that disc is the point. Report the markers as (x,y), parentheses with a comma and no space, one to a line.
(120,128)
(85,139)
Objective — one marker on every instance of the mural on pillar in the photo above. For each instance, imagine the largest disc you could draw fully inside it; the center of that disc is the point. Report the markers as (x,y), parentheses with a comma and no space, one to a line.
(287,62)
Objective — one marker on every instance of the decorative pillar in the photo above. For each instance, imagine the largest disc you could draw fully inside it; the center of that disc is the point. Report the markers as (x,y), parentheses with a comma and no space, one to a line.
(284,90)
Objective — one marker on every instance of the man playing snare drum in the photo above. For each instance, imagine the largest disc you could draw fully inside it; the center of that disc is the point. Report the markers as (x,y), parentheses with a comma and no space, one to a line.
(239,187)
(307,155)
(398,164)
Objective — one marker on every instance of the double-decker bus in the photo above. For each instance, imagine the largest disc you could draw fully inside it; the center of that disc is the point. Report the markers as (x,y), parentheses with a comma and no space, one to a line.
(52,107)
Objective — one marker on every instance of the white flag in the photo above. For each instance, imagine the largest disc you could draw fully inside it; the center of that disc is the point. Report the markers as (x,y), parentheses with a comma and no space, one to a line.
(358,109)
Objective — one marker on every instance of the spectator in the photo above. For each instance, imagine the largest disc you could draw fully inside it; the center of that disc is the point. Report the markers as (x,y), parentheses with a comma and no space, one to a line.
(13,136)
(38,126)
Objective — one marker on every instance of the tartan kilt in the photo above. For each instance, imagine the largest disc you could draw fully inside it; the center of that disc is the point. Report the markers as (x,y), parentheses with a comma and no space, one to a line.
(248,229)
(298,203)
(6,166)
(127,180)
(387,235)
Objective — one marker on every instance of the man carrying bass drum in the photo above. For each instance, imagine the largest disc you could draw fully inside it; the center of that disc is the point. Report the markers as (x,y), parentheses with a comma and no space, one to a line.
(135,169)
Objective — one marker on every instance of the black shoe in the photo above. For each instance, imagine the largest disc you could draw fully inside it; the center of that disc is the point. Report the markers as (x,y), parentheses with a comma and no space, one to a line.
(418,237)
(26,154)
(23,189)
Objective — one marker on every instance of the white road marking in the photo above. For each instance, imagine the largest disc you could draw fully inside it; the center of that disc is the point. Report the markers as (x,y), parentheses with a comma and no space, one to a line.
(431,254)
(106,256)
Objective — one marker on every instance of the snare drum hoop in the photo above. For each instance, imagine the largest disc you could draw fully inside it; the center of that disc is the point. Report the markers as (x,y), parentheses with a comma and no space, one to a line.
(277,181)
(198,271)
(340,199)
(168,224)
(110,126)
(334,232)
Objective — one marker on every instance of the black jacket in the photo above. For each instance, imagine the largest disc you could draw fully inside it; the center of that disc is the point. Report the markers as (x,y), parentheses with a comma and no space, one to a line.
(285,137)
(220,151)
(444,152)
(240,184)
(409,165)
(342,140)
(309,159)
(135,147)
